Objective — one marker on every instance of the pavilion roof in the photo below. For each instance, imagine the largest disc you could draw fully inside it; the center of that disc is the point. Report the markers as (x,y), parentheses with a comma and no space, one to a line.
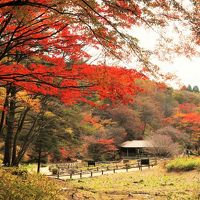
(137,144)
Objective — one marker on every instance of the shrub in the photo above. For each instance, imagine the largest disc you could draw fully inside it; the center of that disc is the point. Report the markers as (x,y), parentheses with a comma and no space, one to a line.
(54,171)
(43,165)
(33,187)
(51,167)
(183,164)
(16,171)
(128,166)
(19,172)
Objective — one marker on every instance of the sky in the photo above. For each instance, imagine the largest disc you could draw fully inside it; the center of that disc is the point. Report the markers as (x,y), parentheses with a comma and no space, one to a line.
(186,69)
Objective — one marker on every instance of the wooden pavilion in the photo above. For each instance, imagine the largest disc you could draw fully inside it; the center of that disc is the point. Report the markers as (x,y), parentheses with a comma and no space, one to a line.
(135,148)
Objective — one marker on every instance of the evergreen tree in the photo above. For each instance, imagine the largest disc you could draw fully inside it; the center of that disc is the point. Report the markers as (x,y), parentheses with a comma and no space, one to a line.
(195,88)
(189,88)
(45,143)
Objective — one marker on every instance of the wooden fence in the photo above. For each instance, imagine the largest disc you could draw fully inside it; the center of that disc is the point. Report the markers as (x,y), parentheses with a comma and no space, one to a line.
(74,171)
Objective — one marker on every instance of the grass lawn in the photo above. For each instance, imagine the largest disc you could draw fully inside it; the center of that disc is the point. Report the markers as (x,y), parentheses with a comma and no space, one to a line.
(184,164)
(150,184)
(156,184)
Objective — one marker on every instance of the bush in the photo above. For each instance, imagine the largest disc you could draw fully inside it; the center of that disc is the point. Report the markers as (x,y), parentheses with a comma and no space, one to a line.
(16,171)
(54,171)
(51,167)
(128,166)
(19,172)
(44,165)
(33,187)
(183,164)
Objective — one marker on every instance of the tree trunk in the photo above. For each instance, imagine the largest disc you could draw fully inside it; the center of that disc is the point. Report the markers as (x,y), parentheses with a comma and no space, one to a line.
(10,128)
(39,159)
(20,126)
(144,129)
(31,135)
(3,114)
(27,141)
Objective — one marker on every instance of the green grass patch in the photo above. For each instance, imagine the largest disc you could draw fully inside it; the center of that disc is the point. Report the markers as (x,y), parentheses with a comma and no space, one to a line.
(183,164)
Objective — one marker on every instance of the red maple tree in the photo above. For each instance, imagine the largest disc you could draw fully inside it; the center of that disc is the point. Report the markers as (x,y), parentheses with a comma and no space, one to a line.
(42,51)
(189,122)
(42,47)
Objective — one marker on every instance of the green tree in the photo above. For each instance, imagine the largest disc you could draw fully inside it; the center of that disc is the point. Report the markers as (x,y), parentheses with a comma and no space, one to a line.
(189,88)
(45,143)
(195,88)
(186,97)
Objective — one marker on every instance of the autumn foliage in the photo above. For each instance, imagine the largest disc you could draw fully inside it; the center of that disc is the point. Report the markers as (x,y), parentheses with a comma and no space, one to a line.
(102,149)
(116,84)
(44,53)
(189,122)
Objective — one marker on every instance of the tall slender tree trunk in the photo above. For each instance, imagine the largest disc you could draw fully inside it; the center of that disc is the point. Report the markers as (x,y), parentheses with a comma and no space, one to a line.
(10,128)
(144,129)
(3,114)
(39,159)
(20,126)
(27,141)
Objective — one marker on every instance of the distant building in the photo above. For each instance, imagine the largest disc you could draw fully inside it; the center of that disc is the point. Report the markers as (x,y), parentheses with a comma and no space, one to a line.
(135,148)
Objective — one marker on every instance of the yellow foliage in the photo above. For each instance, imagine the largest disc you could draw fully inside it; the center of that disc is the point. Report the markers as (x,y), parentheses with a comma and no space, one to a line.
(69,131)
(6,59)
(2,97)
(36,58)
(24,97)
(49,114)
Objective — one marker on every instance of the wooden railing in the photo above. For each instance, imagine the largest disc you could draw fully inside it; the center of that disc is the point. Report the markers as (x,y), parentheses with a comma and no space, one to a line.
(70,171)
